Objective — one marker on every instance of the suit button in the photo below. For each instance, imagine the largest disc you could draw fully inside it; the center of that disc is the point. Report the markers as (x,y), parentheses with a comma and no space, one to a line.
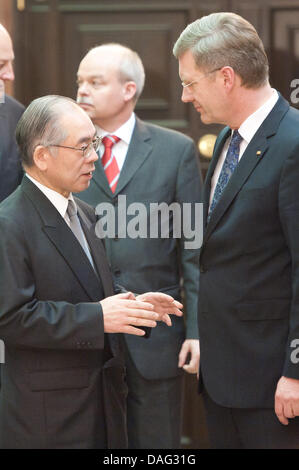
(117,272)
(116,238)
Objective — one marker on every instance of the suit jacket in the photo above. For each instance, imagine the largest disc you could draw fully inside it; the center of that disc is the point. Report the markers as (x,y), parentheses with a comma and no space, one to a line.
(63,378)
(161,166)
(10,164)
(249,268)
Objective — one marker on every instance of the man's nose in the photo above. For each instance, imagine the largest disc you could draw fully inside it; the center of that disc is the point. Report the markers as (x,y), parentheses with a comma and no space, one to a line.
(93,156)
(186,95)
(83,89)
(7,72)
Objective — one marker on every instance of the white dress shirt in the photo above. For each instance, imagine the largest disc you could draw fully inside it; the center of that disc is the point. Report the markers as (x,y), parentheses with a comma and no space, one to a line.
(247,130)
(124,133)
(59,202)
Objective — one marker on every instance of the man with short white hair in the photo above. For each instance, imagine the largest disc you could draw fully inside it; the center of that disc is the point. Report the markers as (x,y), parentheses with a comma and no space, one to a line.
(249,265)
(10,112)
(146,164)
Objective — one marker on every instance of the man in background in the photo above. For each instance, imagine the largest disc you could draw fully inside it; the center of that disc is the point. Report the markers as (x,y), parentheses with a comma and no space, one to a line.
(147,164)
(10,112)
(249,263)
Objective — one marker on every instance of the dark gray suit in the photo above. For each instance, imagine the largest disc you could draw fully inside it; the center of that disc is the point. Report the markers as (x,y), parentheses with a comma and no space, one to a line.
(161,166)
(11,172)
(10,166)
(249,281)
(63,378)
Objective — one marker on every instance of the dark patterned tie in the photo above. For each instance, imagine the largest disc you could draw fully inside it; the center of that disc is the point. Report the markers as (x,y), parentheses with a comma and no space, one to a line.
(229,166)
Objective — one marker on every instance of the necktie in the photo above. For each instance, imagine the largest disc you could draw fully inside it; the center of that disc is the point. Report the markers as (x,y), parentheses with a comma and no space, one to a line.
(77,230)
(109,161)
(229,166)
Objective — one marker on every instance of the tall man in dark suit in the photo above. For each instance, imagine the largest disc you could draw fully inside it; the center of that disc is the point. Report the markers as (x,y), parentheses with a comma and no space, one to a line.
(63,378)
(249,260)
(10,112)
(146,164)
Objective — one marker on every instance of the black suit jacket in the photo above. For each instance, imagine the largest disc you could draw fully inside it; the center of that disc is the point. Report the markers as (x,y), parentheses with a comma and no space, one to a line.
(10,164)
(63,378)
(161,166)
(249,263)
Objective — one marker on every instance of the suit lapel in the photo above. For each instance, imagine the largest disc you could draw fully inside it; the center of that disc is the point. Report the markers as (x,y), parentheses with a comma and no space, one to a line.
(64,240)
(99,178)
(139,149)
(253,154)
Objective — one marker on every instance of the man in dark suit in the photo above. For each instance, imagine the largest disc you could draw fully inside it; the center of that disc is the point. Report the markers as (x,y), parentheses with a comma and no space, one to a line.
(10,112)
(249,264)
(63,378)
(147,164)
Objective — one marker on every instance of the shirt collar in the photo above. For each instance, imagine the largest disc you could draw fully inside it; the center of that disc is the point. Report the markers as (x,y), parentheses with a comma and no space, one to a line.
(124,132)
(59,202)
(249,127)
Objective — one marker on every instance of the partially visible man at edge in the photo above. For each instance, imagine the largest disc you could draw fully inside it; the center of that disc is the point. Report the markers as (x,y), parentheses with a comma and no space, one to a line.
(10,112)
(63,378)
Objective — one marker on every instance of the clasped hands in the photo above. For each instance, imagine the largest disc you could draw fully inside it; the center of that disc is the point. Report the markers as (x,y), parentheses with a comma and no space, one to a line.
(125,313)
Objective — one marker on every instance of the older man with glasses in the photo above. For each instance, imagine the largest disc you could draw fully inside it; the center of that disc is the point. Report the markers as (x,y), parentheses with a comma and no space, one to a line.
(63,379)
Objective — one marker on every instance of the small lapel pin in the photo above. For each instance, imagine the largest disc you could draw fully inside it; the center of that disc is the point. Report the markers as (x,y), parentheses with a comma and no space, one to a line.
(258,153)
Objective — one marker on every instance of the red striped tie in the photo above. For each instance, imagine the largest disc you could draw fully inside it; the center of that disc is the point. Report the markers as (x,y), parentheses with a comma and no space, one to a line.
(109,161)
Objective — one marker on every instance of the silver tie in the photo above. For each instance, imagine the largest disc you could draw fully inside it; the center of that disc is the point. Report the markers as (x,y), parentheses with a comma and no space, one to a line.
(77,230)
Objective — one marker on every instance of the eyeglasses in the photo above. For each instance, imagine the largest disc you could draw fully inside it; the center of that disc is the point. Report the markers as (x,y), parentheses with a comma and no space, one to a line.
(87,149)
(186,85)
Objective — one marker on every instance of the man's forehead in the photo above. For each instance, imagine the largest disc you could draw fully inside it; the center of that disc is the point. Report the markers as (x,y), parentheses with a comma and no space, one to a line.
(76,118)
(188,66)
(100,62)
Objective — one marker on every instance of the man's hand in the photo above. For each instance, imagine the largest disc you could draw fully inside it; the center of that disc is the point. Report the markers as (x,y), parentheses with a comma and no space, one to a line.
(122,313)
(287,399)
(163,304)
(190,346)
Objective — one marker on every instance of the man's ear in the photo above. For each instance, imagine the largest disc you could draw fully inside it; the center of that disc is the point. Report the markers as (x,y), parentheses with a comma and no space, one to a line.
(40,157)
(129,90)
(228,76)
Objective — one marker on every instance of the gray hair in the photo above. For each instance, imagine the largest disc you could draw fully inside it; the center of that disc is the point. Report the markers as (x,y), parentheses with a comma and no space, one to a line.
(221,39)
(130,66)
(40,124)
